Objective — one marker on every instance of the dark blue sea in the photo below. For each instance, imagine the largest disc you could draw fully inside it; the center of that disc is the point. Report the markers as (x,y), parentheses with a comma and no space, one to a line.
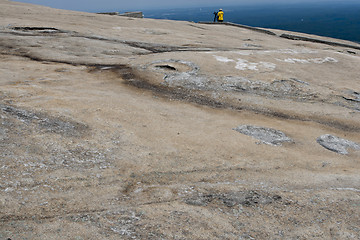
(336,19)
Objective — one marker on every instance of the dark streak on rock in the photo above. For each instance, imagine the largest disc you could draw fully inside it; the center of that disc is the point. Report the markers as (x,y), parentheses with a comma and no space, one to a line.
(14,217)
(351,99)
(314,40)
(38,29)
(135,79)
(166,67)
(58,125)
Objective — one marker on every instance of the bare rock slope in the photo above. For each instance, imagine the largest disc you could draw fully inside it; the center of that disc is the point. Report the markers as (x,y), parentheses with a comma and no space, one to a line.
(121,128)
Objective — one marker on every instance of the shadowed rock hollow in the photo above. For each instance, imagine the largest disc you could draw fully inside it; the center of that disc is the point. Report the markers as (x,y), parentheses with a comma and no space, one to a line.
(122,128)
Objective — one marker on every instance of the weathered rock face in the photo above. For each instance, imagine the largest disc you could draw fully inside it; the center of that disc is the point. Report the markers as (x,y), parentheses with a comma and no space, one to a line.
(121,128)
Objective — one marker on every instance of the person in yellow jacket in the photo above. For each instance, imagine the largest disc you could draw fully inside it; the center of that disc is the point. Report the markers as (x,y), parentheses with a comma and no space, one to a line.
(220,15)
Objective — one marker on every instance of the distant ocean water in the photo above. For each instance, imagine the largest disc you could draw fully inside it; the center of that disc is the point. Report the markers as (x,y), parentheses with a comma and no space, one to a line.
(337,19)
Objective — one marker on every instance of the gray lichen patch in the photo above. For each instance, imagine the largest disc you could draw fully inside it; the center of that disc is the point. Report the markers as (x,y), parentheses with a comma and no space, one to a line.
(186,74)
(231,199)
(265,135)
(336,144)
(58,125)
(279,89)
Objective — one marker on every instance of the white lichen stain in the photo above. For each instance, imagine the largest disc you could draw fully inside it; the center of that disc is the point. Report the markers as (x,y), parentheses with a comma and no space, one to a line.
(268,65)
(289,51)
(310,60)
(242,64)
(223,59)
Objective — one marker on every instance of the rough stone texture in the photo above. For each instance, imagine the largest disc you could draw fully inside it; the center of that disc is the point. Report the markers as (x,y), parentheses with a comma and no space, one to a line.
(119,128)
(265,135)
(336,144)
(232,199)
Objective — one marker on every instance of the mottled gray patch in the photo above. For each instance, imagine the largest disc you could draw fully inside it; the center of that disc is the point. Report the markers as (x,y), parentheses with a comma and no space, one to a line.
(186,76)
(284,89)
(265,135)
(336,144)
(3,133)
(200,199)
(231,199)
(58,125)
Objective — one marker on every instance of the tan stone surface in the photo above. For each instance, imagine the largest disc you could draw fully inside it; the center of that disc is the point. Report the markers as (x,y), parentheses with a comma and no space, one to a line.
(120,128)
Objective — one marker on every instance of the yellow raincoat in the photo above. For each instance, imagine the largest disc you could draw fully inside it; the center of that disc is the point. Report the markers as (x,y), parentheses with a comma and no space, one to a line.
(220,16)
